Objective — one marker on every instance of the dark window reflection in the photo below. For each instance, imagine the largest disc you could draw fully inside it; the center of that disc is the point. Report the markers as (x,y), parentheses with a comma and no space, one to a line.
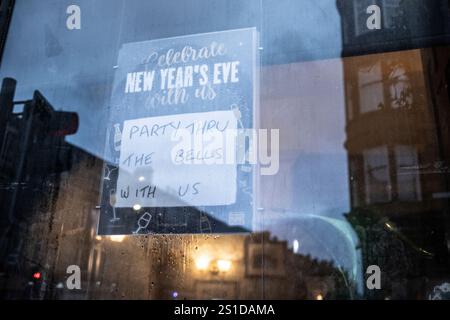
(364,156)
(397,141)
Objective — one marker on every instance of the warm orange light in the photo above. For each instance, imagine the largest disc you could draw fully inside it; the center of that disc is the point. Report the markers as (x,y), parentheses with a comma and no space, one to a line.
(117,238)
(319,297)
(224,265)
(202,263)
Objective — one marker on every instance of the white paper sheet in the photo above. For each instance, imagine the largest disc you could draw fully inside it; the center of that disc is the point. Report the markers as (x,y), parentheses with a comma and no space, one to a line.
(178,160)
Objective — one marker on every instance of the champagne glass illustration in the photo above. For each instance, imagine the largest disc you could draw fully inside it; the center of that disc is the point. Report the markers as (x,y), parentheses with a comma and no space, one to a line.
(108,172)
(143,222)
(117,137)
(237,114)
(112,202)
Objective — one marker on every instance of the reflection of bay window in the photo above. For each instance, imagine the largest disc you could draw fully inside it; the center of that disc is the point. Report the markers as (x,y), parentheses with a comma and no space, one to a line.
(391,175)
(408,182)
(376,174)
(381,81)
(371,93)
(400,88)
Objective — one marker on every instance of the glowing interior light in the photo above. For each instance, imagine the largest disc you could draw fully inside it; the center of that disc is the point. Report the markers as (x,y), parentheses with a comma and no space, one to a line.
(319,297)
(117,238)
(141,178)
(202,263)
(224,265)
(137,207)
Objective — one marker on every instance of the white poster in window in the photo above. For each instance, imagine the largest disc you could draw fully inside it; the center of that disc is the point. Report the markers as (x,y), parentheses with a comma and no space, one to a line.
(176,107)
(178,160)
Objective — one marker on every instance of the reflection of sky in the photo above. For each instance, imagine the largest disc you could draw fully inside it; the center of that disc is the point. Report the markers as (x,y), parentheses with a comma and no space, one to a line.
(306,199)
(74,70)
(306,102)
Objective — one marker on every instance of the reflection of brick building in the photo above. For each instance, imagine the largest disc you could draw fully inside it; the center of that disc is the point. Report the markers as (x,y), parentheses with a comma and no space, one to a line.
(397,141)
(168,266)
(62,232)
(174,266)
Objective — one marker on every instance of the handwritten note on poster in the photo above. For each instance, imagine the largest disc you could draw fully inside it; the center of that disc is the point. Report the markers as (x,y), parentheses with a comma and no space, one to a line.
(178,160)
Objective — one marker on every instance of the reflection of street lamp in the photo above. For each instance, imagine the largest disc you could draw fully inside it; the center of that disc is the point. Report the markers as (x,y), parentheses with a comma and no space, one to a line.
(204,263)
(224,265)
(117,238)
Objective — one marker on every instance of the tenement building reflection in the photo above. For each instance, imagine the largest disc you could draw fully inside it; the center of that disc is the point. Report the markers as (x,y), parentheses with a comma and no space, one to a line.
(397,107)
